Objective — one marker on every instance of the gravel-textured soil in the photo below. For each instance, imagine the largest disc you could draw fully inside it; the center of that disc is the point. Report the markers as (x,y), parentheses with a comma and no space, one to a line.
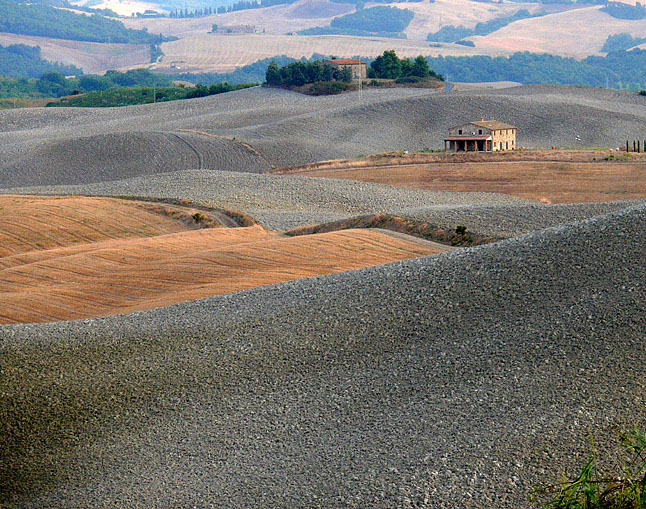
(284,202)
(510,220)
(456,380)
(277,202)
(116,156)
(288,128)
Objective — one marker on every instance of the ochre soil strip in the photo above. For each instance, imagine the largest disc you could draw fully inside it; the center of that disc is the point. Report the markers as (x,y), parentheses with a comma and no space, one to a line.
(574,179)
(89,275)
(33,223)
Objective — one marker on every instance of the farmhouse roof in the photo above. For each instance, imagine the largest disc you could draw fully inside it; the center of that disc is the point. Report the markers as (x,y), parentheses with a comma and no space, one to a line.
(489,124)
(347,61)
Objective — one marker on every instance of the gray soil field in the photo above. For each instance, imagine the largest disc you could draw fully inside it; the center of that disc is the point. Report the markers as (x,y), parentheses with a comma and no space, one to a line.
(455,380)
(287,128)
(461,379)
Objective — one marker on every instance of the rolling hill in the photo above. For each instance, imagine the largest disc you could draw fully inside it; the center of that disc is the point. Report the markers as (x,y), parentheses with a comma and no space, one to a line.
(577,33)
(279,128)
(468,376)
(464,378)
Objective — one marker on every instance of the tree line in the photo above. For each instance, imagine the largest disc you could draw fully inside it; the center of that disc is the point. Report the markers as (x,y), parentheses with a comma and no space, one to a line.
(386,66)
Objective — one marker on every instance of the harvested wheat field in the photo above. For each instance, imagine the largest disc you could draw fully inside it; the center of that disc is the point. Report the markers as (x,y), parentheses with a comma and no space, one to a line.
(225,53)
(69,258)
(549,177)
(576,33)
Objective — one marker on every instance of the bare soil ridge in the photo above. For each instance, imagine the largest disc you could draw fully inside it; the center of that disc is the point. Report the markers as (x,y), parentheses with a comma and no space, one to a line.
(441,378)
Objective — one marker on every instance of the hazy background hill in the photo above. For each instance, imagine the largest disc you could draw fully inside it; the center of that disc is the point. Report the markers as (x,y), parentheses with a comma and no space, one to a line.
(216,36)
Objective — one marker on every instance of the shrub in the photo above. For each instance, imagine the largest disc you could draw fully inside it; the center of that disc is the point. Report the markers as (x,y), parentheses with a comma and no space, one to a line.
(471,44)
(330,88)
(642,92)
(409,79)
(591,490)
(461,229)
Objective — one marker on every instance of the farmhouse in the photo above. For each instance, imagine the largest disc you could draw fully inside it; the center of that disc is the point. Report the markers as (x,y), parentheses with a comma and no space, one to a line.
(482,136)
(359,70)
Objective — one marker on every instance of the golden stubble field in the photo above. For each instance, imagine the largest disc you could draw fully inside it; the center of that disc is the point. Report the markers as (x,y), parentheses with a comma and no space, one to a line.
(577,33)
(546,176)
(67,258)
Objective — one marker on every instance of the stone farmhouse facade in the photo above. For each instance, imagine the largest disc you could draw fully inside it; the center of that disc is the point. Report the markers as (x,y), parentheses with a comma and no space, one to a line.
(482,136)
(359,68)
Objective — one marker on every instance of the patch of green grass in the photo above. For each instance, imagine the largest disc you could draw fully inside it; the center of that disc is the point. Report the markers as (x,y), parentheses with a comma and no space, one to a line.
(591,490)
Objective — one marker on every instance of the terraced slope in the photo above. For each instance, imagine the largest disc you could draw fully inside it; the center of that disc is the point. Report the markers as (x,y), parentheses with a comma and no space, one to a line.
(288,129)
(467,377)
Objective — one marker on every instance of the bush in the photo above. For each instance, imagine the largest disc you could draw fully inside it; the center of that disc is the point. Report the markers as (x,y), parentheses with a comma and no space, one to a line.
(471,44)
(642,92)
(330,88)
(409,79)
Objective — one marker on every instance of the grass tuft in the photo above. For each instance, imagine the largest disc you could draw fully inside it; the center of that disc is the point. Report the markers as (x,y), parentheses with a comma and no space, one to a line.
(591,490)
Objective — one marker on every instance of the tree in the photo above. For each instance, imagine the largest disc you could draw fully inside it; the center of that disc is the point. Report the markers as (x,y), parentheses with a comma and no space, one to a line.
(387,66)
(298,77)
(345,74)
(421,67)
(272,76)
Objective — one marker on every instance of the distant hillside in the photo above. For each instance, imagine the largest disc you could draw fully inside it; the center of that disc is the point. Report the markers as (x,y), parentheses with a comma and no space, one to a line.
(20,61)
(46,21)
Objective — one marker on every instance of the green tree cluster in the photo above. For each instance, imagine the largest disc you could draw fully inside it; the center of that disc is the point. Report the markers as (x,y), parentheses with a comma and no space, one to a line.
(301,73)
(390,66)
(376,19)
(620,42)
(622,10)
(619,69)
(130,96)
(55,84)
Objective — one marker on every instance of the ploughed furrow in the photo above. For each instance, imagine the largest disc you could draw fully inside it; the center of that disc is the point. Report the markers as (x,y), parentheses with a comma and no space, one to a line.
(124,275)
